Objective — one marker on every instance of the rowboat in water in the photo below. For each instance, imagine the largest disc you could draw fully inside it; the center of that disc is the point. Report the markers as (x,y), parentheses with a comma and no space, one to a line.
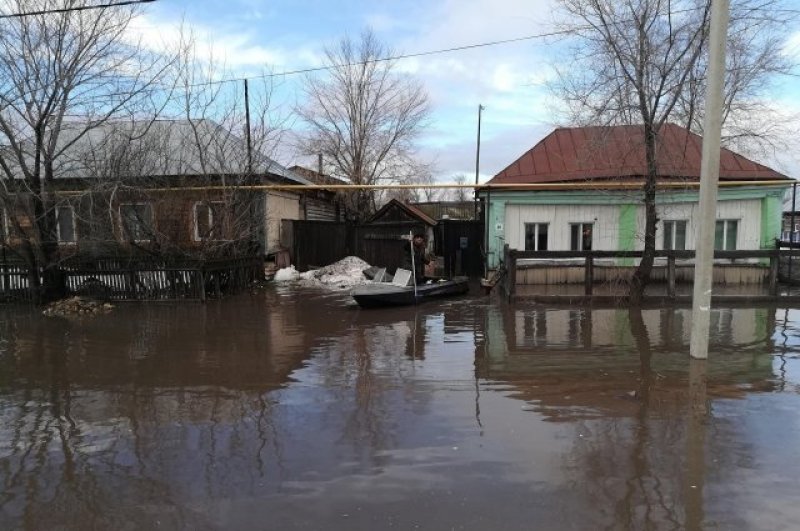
(398,292)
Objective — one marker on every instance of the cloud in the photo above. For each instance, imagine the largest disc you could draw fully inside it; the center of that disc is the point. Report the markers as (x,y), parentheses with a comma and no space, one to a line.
(498,150)
(234,49)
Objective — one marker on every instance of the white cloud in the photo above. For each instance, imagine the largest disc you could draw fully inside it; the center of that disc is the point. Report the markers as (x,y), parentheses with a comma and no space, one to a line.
(381,22)
(503,79)
(234,49)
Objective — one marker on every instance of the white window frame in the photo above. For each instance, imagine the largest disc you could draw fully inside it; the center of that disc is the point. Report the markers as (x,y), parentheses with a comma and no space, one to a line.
(122,227)
(538,225)
(580,234)
(61,241)
(725,223)
(196,229)
(674,234)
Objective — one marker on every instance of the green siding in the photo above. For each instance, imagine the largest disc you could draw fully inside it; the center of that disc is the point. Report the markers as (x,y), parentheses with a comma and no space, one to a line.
(770,196)
(770,221)
(627,232)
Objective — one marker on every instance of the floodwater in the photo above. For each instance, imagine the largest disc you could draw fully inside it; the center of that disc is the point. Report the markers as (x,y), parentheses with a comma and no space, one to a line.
(295,410)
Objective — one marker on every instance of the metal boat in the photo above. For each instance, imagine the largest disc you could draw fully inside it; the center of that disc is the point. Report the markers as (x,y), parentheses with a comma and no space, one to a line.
(380,294)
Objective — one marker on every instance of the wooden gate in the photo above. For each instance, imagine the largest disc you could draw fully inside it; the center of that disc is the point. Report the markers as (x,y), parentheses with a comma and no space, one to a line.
(460,242)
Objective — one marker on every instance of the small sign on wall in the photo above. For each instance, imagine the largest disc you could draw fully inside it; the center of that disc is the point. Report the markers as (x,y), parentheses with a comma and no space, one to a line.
(498,227)
(463,242)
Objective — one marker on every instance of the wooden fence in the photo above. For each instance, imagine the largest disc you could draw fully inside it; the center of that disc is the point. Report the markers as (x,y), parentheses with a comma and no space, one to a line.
(14,286)
(141,279)
(319,243)
(771,259)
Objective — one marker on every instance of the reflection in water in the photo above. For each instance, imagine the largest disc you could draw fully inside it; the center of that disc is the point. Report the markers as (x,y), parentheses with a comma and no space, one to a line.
(295,408)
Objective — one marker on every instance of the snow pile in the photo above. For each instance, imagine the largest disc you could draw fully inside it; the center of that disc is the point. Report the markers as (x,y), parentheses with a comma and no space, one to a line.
(345,273)
(287,274)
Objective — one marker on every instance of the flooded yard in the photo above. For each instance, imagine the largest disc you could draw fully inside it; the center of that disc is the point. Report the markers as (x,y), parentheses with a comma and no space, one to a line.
(293,409)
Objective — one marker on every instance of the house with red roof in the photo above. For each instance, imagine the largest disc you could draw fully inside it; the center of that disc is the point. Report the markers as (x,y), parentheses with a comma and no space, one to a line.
(579,188)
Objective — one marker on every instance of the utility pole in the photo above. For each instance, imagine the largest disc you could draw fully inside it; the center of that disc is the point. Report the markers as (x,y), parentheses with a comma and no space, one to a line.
(791,229)
(247,132)
(478,160)
(709,178)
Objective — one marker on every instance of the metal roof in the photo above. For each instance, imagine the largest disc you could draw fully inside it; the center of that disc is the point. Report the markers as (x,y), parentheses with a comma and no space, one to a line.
(614,152)
(160,148)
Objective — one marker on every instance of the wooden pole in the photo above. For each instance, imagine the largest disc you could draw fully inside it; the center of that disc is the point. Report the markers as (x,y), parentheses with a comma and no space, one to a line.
(773,273)
(588,275)
(671,275)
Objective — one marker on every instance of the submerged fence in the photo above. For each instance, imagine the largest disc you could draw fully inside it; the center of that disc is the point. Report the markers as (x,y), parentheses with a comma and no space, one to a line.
(140,279)
(759,266)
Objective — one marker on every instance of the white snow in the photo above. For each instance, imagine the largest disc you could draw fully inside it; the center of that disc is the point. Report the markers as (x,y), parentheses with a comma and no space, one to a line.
(287,274)
(345,273)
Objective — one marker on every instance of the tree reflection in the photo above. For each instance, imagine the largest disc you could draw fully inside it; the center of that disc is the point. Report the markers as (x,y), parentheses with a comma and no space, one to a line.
(621,379)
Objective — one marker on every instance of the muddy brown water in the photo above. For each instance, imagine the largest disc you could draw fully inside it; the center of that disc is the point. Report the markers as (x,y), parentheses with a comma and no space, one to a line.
(292,409)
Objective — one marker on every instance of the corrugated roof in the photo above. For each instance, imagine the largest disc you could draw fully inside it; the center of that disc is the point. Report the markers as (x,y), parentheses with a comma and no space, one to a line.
(160,148)
(613,152)
(316,177)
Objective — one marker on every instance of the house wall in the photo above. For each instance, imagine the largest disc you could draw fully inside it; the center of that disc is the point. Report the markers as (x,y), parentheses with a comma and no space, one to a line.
(319,210)
(612,230)
(98,226)
(619,216)
(278,206)
(559,218)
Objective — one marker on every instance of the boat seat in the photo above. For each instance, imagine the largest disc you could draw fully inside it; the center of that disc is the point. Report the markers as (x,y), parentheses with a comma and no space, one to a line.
(402,277)
(380,275)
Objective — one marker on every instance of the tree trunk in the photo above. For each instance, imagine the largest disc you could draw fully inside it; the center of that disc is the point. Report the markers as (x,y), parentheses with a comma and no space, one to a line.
(53,285)
(641,277)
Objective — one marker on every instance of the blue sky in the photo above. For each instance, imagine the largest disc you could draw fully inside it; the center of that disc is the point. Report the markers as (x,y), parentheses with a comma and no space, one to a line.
(507,79)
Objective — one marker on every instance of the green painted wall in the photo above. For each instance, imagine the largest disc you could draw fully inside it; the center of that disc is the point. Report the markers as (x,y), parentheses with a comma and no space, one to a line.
(770,196)
(771,212)
(627,232)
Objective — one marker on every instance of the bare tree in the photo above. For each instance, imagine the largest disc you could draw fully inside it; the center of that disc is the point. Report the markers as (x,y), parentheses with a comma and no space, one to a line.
(644,62)
(460,194)
(62,75)
(364,117)
(203,136)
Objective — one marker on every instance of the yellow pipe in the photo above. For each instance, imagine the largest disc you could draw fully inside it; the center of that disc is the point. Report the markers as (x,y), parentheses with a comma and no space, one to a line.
(580,185)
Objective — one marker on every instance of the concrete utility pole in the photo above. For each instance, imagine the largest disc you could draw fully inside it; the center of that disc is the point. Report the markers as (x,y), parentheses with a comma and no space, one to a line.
(709,178)
(478,159)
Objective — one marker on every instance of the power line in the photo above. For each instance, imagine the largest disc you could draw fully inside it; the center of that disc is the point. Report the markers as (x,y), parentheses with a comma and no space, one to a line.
(555,33)
(75,8)
(386,59)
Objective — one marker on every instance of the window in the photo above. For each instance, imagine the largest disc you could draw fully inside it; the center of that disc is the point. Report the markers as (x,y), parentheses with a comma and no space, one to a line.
(207,220)
(725,234)
(581,236)
(65,224)
(675,235)
(536,236)
(137,221)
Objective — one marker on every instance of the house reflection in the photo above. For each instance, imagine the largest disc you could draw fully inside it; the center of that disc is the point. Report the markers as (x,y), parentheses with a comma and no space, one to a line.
(636,409)
(595,354)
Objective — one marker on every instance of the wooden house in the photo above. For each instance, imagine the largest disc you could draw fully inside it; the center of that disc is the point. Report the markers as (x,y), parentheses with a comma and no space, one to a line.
(171,187)
(580,189)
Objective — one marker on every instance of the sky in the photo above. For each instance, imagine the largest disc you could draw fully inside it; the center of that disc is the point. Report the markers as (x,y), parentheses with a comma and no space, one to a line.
(509,80)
